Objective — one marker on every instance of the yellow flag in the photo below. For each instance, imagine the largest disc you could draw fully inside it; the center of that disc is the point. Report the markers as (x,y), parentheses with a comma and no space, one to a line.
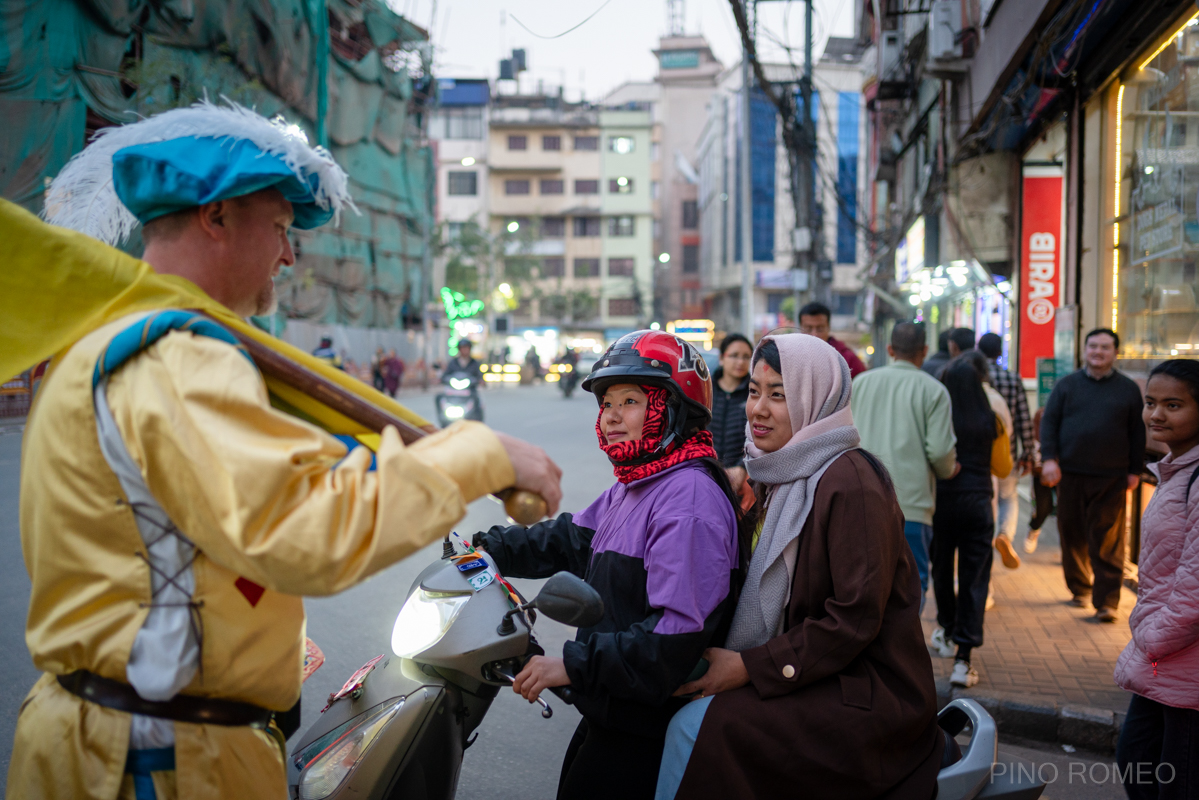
(56,286)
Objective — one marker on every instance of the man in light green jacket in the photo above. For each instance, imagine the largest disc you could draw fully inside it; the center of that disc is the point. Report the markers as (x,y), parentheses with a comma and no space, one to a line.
(904,418)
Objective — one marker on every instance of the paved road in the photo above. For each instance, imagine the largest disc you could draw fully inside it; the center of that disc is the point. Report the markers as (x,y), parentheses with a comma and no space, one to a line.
(518,754)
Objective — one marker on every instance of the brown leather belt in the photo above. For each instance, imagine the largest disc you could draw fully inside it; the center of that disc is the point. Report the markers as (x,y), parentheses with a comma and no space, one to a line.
(180,708)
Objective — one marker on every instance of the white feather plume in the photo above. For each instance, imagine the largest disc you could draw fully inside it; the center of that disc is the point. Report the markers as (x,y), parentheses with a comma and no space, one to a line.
(82,197)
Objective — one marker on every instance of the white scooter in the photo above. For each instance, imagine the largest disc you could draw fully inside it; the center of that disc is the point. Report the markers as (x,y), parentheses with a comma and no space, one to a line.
(400,725)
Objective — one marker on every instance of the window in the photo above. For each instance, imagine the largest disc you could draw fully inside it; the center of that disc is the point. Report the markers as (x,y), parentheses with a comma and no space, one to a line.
(551,142)
(457,123)
(620,185)
(587,226)
(690,215)
(622,306)
(463,183)
(553,227)
(518,142)
(552,186)
(587,267)
(453,231)
(690,258)
(655,190)
(620,226)
(621,144)
(553,267)
(587,143)
(655,151)
(1153,304)
(620,267)
(586,187)
(516,186)
(845,303)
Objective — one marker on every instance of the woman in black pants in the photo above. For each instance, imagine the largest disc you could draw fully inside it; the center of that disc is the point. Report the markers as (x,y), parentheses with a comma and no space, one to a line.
(963,522)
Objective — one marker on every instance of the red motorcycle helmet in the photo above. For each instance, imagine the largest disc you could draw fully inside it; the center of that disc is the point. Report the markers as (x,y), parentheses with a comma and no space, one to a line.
(658,358)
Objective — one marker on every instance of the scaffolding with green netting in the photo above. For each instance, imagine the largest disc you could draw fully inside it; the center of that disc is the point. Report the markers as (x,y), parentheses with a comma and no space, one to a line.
(352,73)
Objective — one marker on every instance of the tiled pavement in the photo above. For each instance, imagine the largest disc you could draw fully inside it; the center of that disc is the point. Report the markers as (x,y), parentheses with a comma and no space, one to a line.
(1035,643)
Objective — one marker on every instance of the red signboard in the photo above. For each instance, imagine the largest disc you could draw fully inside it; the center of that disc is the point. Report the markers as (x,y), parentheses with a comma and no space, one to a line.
(1040,264)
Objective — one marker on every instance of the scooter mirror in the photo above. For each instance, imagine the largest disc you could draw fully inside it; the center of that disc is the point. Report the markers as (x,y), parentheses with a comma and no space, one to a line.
(567,599)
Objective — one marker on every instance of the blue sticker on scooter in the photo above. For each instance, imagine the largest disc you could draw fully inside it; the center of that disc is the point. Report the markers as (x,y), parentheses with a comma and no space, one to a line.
(469,565)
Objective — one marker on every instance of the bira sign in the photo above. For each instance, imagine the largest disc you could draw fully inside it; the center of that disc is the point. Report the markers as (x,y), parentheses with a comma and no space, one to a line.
(1040,264)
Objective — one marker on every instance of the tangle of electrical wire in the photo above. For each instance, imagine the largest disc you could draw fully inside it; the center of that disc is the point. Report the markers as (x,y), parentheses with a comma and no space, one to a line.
(568,30)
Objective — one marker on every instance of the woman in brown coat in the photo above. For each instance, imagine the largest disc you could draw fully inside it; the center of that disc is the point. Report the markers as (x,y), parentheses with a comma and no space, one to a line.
(826,688)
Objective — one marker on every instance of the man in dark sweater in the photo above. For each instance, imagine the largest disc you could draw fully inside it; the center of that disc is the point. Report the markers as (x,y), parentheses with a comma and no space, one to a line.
(1093,449)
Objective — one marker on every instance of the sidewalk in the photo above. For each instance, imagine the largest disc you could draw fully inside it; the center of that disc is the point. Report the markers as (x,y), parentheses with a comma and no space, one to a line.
(1045,665)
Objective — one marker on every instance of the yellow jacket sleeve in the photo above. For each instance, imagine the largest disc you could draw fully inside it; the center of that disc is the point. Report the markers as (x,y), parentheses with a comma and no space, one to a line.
(274,498)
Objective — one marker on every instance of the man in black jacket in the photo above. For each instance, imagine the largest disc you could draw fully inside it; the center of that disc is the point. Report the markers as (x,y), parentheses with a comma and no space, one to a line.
(1093,449)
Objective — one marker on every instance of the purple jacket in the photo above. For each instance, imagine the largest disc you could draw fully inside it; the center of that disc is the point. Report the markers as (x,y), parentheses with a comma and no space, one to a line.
(662,552)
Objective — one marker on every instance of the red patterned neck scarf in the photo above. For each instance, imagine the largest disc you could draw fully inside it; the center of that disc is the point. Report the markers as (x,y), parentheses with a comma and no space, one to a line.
(632,461)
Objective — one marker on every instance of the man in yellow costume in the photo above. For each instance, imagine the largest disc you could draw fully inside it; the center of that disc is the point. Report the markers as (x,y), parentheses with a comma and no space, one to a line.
(171,516)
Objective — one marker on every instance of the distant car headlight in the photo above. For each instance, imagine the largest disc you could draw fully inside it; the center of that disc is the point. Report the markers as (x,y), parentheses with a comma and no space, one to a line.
(454,412)
(423,620)
(460,383)
(327,761)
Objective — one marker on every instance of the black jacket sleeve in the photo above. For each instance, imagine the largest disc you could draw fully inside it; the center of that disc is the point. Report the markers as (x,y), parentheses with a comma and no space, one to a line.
(539,551)
(1051,424)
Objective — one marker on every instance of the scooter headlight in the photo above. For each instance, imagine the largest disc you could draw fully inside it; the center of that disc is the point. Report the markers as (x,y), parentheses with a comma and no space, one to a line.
(460,383)
(423,620)
(454,412)
(327,761)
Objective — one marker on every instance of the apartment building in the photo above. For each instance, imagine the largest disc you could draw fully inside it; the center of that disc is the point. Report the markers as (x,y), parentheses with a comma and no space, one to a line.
(677,100)
(838,243)
(577,178)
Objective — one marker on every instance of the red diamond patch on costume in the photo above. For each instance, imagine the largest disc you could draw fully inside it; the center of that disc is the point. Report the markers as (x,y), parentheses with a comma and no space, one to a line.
(252,591)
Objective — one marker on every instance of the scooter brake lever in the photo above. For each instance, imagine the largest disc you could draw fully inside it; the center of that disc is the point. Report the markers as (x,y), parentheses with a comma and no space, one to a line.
(546,711)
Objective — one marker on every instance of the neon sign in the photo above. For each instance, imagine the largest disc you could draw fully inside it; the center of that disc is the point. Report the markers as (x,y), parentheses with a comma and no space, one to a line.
(457,306)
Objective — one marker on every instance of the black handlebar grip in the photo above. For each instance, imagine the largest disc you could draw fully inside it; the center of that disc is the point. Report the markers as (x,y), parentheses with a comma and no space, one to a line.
(565,693)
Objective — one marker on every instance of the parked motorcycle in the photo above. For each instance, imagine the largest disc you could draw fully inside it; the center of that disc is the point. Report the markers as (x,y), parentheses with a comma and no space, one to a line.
(399,726)
(459,397)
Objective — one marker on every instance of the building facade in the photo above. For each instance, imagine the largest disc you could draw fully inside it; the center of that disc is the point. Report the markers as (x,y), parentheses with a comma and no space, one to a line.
(1034,175)
(838,243)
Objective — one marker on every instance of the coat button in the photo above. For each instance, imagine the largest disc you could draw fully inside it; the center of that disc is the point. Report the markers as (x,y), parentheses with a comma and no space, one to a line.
(788,671)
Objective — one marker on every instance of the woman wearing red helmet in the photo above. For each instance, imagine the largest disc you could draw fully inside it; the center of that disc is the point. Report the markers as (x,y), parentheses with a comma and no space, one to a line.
(661,547)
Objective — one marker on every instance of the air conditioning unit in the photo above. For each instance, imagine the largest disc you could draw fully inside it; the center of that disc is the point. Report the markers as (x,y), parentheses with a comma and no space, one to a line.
(944,30)
(890,62)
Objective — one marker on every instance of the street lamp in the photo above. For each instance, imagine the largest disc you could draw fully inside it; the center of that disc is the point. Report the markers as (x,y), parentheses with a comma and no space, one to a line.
(513,226)
(468,162)
(664,258)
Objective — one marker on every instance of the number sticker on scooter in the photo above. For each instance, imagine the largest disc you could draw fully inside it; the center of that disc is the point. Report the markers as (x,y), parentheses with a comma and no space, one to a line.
(469,565)
(482,580)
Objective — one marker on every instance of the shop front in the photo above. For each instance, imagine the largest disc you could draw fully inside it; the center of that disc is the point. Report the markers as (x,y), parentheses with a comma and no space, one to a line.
(961,294)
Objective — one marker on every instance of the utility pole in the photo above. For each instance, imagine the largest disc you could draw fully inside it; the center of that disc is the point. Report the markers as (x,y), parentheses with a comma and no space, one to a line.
(805,260)
(746,188)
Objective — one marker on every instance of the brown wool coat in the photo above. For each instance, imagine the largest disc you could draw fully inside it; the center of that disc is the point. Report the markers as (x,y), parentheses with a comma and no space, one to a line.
(857,719)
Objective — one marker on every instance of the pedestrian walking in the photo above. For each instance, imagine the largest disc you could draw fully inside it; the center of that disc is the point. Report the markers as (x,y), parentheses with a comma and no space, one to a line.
(903,416)
(377,370)
(937,361)
(730,384)
(815,319)
(393,373)
(1007,503)
(1161,663)
(1093,446)
(960,340)
(963,524)
(1042,495)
